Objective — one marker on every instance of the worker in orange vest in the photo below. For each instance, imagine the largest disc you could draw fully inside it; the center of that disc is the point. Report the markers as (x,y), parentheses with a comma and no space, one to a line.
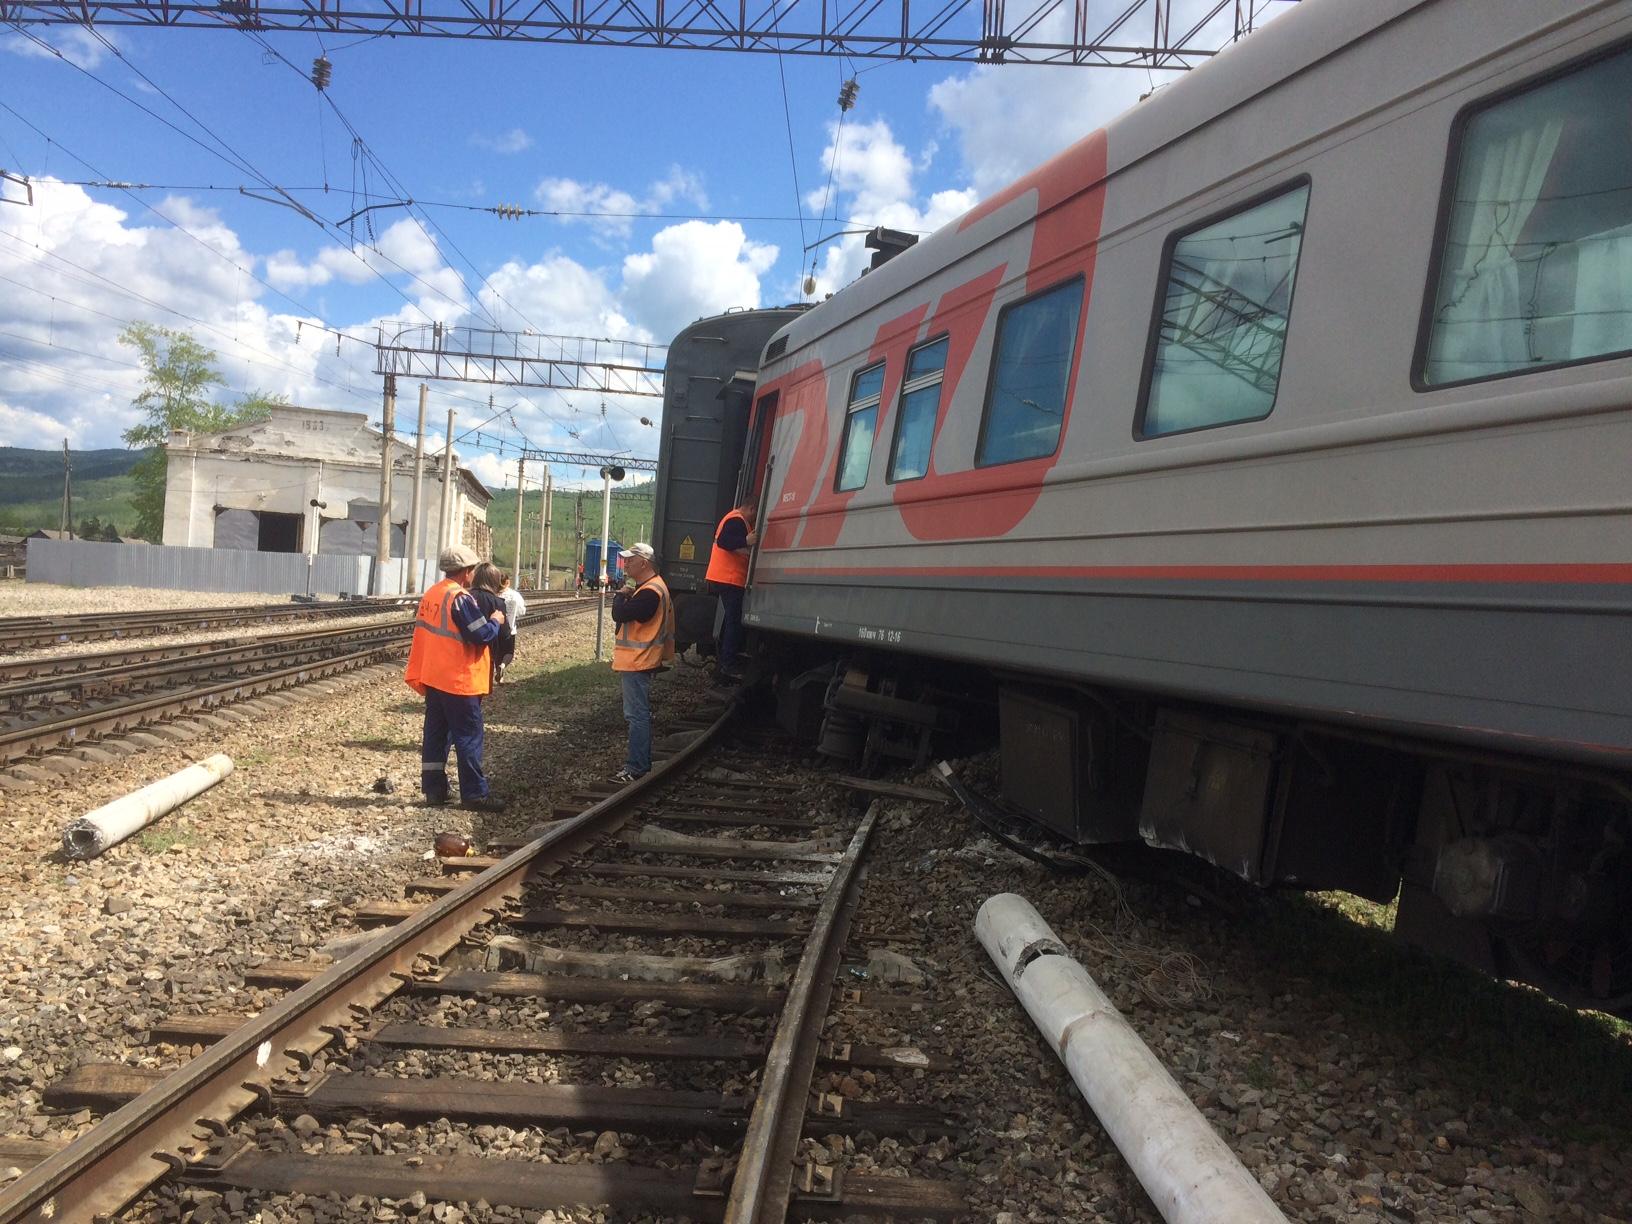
(644,616)
(728,571)
(448,665)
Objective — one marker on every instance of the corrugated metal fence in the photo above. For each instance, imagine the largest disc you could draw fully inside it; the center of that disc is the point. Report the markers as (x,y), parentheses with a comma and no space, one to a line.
(90,563)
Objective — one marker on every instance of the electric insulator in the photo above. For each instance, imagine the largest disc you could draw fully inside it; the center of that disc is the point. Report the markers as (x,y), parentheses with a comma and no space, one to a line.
(847,94)
(322,72)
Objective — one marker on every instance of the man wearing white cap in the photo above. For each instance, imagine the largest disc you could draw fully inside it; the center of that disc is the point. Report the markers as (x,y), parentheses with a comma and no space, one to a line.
(448,666)
(644,616)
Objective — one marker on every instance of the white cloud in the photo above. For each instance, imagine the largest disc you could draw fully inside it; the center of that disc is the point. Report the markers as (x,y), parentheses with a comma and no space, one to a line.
(1009,120)
(515,140)
(78,270)
(873,185)
(66,374)
(612,210)
(491,470)
(693,269)
(76,45)
(25,427)
(554,295)
(285,271)
(404,255)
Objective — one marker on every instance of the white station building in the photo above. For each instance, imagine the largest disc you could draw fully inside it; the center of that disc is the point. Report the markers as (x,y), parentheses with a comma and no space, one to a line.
(306,480)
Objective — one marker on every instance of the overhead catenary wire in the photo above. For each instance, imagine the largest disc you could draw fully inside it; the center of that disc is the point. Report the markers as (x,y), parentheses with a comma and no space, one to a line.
(360,144)
(232,157)
(588,214)
(787,118)
(224,150)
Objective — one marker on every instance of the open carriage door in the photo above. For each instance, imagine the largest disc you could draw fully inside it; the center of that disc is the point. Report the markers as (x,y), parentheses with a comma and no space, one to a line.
(755,478)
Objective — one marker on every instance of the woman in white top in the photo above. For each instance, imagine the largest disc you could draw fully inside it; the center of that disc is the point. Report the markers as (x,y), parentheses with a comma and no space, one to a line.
(514,607)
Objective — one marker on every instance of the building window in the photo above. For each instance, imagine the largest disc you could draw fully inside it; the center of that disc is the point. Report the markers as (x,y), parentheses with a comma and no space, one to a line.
(1224,311)
(1535,256)
(1031,366)
(860,420)
(920,403)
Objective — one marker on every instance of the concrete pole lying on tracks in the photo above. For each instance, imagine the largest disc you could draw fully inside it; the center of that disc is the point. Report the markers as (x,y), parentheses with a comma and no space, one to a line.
(1190,1174)
(111,823)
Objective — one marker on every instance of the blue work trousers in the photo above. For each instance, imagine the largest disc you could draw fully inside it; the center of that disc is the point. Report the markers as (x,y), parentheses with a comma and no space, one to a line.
(637,711)
(449,716)
(731,626)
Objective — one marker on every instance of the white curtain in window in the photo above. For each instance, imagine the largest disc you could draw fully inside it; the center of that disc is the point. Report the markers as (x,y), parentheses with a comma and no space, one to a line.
(1482,321)
(1603,294)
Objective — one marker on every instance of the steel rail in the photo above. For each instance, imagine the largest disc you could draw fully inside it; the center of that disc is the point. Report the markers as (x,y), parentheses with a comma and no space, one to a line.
(181,660)
(68,665)
(763,1185)
(24,632)
(73,668)
(17,744)
(103,1170)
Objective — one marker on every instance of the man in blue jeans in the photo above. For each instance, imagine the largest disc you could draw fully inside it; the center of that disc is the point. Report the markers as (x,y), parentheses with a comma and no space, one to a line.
(644,615)
(448,666)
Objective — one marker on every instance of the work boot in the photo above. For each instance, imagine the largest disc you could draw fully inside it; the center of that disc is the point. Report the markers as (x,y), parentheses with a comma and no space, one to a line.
(483,803)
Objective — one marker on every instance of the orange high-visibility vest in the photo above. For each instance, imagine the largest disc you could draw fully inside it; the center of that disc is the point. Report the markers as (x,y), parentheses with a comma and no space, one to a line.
(439,657)
(724,565)
(644,645)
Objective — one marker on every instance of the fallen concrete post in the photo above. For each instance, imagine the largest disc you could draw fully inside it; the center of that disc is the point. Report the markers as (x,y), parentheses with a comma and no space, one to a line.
(110,824)
(1190,1174)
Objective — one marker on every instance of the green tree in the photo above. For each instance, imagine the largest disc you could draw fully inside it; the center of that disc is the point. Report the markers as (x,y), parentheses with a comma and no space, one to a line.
(178,392)
(110,533)
(90,528)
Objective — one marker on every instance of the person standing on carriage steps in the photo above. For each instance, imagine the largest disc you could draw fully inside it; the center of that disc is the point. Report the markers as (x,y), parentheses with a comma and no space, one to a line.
(642,646)
(448,665)
(728,571)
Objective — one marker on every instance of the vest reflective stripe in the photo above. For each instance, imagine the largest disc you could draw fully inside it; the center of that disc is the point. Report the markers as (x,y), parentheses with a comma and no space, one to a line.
(724,565)
(439,657)
(643,645)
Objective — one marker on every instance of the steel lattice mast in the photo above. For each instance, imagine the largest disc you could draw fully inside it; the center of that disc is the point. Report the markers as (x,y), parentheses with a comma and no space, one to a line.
(987,31)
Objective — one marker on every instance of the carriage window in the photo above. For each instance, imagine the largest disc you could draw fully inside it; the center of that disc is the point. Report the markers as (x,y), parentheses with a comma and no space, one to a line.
(920,402)
(1536,261)
(1031,365)
(1223,323)
(860,419)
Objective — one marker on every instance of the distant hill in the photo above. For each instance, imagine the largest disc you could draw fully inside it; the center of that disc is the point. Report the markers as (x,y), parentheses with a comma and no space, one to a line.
(31,487)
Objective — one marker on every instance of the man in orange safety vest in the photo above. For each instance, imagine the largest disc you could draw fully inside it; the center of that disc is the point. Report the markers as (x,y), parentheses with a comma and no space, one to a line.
(728,571)
(448,665)
(644,616)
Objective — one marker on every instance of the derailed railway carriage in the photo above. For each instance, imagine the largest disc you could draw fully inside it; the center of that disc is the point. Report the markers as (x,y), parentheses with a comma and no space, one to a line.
(1265,462)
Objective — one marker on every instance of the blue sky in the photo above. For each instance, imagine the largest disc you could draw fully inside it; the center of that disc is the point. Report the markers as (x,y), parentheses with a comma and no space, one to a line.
(695,143)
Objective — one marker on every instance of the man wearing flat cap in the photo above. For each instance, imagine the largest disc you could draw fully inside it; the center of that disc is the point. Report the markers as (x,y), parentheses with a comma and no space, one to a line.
(643,645)
(448,665)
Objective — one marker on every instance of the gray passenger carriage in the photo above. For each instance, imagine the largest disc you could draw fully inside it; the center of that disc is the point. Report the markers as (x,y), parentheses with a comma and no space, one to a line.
(1266,455)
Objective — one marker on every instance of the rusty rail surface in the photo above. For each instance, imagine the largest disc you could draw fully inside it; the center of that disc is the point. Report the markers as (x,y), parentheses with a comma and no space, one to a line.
(763,1186)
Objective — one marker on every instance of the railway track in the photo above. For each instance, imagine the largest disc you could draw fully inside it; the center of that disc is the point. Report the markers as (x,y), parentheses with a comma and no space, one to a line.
(19,633)
(22,633)
(48,705)
(491,1026)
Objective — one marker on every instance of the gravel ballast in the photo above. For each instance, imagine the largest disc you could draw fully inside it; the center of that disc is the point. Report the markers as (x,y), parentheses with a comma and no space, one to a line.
(1357,1081)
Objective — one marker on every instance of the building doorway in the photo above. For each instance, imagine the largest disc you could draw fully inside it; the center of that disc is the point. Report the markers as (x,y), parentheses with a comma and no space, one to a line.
(278,533)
